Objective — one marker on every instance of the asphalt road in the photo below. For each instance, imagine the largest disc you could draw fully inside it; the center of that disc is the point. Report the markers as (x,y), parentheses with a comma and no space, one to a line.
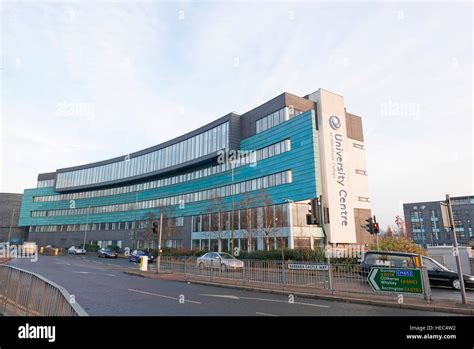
(101,287)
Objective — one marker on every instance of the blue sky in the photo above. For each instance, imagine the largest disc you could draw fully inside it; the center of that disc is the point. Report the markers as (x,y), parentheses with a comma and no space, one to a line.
(138,73)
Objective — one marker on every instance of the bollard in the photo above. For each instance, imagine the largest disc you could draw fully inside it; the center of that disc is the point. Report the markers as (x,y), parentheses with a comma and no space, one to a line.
(143,263)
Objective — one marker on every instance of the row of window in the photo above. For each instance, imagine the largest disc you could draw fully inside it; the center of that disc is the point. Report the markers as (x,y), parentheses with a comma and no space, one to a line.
(200,145)
(257,218)
(177,222)
(151,244)
(276,118)
(238,188)
(463,201)
(242,244)
(45,183)
(260,154)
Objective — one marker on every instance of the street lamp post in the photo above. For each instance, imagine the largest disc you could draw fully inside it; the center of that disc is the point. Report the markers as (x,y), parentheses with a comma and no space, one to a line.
(85,228)
(158,260)
(232,208)
(289,201)
(10,230)
(452,225)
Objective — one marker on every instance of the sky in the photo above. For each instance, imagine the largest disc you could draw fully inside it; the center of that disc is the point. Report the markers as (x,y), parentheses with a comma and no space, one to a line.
(87,81)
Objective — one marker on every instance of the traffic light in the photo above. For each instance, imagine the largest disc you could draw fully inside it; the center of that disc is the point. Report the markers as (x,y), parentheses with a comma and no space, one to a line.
(369,227)
(376,228)
(313,217)
(155,227)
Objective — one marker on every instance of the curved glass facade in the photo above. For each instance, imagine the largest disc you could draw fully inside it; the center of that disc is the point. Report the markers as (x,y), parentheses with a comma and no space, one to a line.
(203,144)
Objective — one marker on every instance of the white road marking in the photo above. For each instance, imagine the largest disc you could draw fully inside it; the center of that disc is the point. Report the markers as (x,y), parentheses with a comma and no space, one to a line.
(91,272)
(63,263)
(228,296)
(265,314)
(162,296)
(280,301)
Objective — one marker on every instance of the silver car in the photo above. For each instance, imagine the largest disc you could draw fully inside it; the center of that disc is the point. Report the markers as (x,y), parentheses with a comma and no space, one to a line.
(219,260)
(76,250)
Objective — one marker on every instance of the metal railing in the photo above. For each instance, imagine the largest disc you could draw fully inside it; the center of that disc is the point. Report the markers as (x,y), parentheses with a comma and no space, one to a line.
(23,293)
(277,274)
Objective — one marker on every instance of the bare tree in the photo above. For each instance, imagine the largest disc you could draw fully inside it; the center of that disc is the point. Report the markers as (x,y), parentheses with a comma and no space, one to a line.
(248,219)
(220,221)
(269,224)
(169,223)
(148,232)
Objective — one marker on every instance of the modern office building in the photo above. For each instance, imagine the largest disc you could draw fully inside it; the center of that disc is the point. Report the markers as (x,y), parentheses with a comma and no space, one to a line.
(264,166)
(10,204)
(425,223)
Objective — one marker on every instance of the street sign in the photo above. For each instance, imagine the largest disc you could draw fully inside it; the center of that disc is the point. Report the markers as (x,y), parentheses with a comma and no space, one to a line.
(396,280)
(309,266)
(445,214)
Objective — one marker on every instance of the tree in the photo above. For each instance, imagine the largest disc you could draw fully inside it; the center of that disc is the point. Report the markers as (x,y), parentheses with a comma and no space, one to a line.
(269,224)
(169,223)
(398,244)
(389,231)
(248,219)
(148,232)
(220,221)
(400,223)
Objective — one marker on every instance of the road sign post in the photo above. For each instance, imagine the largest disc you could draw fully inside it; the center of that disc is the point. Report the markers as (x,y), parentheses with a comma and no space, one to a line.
(393,280)
(447,213)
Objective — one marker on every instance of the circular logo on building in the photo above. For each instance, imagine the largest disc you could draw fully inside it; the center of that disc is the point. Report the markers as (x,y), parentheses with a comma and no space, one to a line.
(334,122)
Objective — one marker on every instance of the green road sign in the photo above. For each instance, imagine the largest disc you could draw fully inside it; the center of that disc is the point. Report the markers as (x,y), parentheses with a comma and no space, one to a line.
(396,280)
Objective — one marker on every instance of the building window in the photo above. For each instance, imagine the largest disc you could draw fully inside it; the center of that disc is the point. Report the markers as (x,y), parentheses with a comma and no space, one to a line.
(276,118)
(179,221)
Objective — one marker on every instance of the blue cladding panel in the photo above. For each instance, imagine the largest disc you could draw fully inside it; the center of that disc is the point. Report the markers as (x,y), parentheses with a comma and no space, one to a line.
(301,160)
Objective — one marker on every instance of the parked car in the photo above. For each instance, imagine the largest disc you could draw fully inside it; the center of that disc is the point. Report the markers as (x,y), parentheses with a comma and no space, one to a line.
(438,274)
(76,250)
(106,253)
(219,260)
(137,254)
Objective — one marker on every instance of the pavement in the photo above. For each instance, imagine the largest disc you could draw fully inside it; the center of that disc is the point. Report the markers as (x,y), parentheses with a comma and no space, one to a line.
(108,287)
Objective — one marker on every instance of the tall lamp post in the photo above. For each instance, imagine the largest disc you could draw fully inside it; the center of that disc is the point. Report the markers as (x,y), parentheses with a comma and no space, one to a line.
(87,225)
(232,208)
(289,202)
(10,230)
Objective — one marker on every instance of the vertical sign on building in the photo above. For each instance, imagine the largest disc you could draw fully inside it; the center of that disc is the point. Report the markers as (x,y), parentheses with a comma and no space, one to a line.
(336,184)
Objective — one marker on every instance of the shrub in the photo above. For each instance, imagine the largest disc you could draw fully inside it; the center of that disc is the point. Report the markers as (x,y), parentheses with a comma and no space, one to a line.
(91,248)
(398,244)
(303,254)
(114,248)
